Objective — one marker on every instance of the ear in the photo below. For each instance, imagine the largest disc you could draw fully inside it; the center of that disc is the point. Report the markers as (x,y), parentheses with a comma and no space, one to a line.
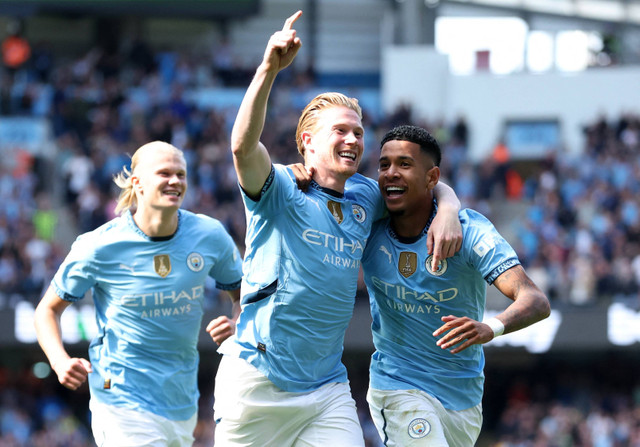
(136,184)
(306,141)
(433,176)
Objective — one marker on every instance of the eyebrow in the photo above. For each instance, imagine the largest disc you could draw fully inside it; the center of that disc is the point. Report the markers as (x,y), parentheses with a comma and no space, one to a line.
(400,157)
(342,124)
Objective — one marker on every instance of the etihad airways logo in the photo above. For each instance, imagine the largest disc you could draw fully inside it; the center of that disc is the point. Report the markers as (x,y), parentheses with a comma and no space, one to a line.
(153,299)
(316,237)
(400,292)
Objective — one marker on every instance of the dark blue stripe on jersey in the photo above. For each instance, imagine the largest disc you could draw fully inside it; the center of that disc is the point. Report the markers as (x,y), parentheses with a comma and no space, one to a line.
(266,185)
(161,238)
(384,428)
(331,192)
(261,294)
(233,286)
(499,270)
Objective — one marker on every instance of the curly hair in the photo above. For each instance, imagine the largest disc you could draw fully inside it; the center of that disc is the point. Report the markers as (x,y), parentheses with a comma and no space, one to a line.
(417,135)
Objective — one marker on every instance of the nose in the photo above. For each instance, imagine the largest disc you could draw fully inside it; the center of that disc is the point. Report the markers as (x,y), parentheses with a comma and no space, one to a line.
(391,172)
(351,138)
(175,179)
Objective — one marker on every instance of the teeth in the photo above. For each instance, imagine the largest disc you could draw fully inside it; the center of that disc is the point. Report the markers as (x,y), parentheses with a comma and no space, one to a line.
(393,190)
(173,193)
(350,155)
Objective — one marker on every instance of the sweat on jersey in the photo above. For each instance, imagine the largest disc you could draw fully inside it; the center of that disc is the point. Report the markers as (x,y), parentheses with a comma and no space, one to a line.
(148,295)
(303,253)
(408,299)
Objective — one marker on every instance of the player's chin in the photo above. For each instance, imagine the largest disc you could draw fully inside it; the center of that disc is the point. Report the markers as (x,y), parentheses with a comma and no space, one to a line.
(395,210)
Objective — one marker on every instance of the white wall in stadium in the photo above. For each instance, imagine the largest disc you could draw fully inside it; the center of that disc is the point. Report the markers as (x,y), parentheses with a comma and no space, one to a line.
(420,76)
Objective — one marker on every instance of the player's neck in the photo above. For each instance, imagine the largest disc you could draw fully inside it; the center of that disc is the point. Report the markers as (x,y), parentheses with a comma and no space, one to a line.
(410,224)
(334,182)
(156,223)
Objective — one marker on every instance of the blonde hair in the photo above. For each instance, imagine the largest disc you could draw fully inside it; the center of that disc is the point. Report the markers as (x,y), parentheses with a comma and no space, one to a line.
(127,198)
(309,116)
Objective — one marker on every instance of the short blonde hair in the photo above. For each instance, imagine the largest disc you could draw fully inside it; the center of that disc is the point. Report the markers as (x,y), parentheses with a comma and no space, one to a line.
(309,116)
(127,198)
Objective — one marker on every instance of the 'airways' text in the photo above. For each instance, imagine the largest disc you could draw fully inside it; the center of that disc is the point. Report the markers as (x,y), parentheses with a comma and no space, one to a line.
(341,262)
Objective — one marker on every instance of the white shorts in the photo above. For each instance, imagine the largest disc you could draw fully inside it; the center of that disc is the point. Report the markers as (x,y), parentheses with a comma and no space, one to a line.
(406,418)
(123,427)
(251,411)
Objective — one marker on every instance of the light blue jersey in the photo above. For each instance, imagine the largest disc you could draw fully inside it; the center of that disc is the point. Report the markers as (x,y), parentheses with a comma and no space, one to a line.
(301,270)
(408,299)
(148,295)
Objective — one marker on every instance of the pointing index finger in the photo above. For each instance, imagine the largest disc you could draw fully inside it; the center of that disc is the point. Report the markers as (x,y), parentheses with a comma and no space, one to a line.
(288,24)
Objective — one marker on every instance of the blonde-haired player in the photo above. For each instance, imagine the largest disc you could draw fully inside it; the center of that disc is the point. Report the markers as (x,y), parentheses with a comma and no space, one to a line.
(147,270)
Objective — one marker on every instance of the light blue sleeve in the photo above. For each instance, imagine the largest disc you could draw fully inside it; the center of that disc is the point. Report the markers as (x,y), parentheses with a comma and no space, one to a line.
(484,247)
(227,271)
(77,273)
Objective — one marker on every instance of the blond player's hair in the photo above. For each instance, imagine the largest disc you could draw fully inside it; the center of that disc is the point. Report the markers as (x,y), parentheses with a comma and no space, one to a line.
(127,198)
(309,116)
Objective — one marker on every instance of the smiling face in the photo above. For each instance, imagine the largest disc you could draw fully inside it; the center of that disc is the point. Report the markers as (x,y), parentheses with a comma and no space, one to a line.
(160,178)
(335,146)
(407,176)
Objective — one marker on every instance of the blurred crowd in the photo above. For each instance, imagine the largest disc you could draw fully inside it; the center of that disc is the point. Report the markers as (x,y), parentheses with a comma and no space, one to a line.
(571,406)
(578,236)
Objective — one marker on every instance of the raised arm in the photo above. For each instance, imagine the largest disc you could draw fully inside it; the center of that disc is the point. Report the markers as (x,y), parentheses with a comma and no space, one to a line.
(72,372)
(250,157)
(444,237)
(529,306)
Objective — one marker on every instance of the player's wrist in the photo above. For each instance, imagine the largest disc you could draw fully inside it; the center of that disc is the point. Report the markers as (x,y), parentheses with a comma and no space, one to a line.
(496,326)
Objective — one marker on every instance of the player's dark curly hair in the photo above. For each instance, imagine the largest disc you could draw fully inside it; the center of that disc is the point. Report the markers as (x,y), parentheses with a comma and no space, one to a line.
(417,135)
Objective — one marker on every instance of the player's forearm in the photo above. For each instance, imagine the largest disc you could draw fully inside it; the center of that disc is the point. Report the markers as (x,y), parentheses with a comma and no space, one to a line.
(529,307)
(250,120)
(49,335)
(446,196)
(235,303)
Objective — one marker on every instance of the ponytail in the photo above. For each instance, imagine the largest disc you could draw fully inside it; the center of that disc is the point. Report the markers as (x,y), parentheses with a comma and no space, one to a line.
(127,198)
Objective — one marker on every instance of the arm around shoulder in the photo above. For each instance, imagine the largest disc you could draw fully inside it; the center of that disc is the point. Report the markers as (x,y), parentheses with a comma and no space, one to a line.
(444,238)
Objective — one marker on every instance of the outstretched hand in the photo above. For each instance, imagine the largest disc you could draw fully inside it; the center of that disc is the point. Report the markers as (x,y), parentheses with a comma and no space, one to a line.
(283,46)
(463,330)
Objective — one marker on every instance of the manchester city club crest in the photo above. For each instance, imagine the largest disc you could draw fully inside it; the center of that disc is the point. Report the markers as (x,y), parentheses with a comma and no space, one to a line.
(336,210)
(419,428)
(195,262)
(162,265)
(407,263)
(442,266)
(358,213)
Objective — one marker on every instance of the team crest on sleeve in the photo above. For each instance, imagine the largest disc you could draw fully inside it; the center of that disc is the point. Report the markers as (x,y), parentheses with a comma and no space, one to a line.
(336,210)
(359,213)
(419,428)
(407,263)
(195,262)
(442,266)
(162,265)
